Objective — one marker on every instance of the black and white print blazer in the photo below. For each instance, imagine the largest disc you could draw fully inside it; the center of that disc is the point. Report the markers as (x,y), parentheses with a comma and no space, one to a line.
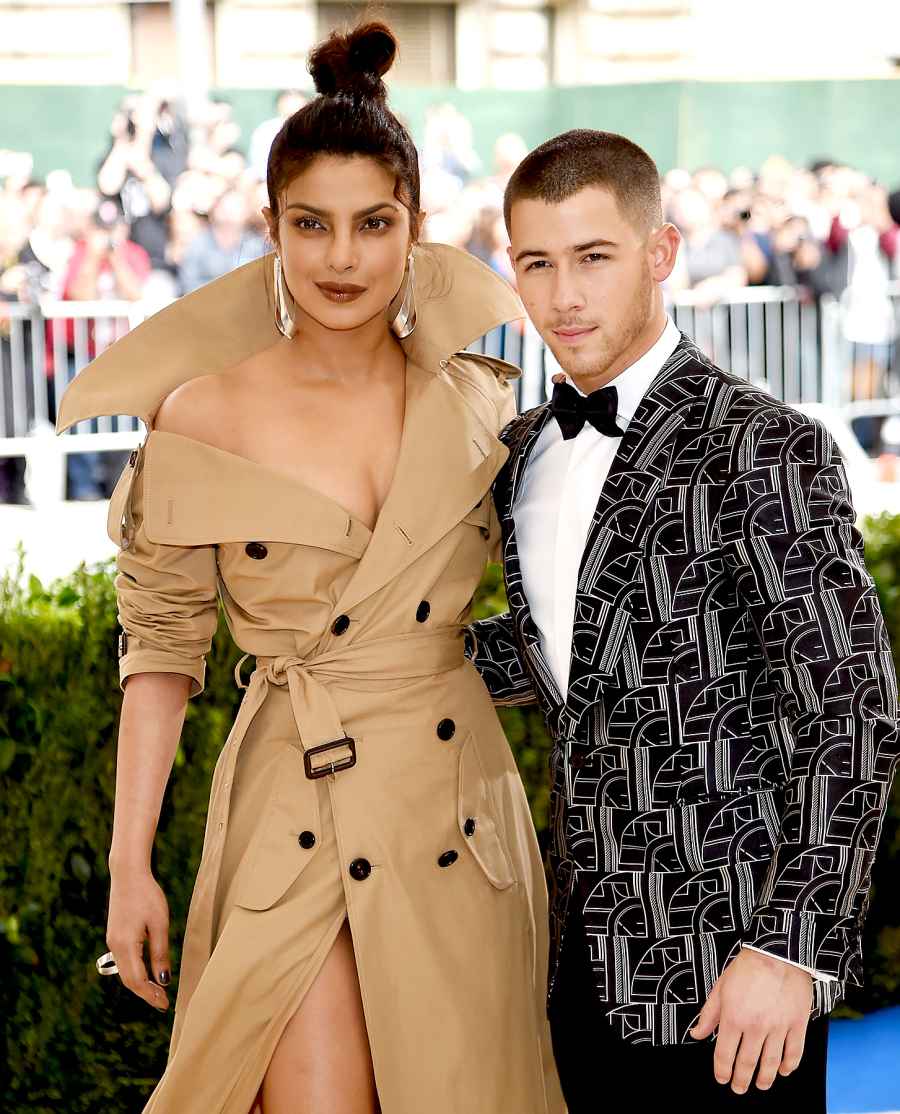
(723,760)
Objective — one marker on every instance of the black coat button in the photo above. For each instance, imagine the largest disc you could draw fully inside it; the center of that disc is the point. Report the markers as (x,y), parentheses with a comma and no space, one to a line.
(360,869)
(256,550)
(306,840)
(446,729)
(423,611)
(448,858)
(340,625)
(469,826)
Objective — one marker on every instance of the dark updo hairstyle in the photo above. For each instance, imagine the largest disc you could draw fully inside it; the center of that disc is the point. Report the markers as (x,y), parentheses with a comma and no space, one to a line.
(349,117)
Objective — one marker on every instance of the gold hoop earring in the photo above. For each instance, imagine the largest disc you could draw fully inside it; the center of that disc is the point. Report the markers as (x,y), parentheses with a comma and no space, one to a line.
(284,322)
(404,320)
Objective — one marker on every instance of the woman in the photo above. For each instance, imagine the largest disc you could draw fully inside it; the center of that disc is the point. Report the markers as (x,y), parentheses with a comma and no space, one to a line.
(368,923)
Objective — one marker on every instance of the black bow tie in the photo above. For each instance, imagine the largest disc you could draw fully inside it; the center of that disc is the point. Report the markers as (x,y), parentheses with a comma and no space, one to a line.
(572,409)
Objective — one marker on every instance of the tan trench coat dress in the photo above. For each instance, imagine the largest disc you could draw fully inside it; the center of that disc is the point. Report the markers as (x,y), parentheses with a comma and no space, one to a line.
(425,841)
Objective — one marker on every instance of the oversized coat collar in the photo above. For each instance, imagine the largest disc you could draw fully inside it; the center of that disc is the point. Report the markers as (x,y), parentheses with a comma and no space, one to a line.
(458,299)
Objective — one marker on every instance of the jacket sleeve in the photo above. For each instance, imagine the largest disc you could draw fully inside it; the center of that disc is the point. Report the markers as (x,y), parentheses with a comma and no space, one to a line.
(787,529)
(490,643)
(492,648)
(166,594)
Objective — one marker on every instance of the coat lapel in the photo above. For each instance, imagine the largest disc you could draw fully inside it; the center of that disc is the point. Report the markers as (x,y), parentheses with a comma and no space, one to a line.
(262,504)
(458,299)
(447,461)
(611,586)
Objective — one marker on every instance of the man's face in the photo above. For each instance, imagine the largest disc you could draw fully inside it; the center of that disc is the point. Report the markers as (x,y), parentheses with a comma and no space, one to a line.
(587,277)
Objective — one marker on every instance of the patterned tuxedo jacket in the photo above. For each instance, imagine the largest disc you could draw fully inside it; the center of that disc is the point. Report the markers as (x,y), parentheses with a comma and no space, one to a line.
(723,759)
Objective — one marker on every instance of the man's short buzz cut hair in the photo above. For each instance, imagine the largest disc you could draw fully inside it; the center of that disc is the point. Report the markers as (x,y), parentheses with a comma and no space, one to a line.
(575,160)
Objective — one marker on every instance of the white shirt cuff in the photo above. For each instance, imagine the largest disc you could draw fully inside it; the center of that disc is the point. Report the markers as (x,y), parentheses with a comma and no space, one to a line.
(809,970)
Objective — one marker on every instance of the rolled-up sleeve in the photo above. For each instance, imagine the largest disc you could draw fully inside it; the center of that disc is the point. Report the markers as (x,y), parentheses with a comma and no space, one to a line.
(166,597)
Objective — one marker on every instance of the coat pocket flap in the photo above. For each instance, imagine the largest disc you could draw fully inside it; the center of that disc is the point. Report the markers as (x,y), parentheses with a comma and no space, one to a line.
(477,819)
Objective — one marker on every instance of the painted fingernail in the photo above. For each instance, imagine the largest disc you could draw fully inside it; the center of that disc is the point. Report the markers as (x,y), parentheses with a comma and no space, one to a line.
(164,978)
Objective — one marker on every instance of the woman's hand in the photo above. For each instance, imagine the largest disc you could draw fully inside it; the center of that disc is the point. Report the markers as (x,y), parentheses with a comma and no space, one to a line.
(138,910)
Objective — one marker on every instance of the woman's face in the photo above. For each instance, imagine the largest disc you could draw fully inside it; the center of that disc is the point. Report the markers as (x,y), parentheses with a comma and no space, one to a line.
(343,239)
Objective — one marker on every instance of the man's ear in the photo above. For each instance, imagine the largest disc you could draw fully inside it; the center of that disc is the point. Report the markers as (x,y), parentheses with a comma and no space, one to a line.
(663,246)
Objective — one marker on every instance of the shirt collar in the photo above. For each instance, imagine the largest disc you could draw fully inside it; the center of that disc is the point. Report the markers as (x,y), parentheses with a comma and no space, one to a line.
(632,383)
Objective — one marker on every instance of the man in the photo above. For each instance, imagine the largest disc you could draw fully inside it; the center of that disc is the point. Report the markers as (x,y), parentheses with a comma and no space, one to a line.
(689,605)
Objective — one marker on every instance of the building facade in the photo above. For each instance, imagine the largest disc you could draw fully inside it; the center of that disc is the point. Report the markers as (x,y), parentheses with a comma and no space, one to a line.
(471,44)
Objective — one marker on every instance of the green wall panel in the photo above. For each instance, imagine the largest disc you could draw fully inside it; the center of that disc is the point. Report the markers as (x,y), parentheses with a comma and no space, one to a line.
(64,126)
(743,123)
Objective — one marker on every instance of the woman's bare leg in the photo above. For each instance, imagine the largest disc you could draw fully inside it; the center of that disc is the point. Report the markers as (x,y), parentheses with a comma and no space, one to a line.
(322,1063)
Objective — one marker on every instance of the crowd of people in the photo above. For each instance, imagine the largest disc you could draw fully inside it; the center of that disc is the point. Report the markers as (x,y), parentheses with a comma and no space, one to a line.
(177,201)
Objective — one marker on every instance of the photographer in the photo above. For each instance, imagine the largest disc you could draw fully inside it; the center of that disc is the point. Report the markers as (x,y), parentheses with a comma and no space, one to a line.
(149,150)
(736,216)
(798,260)
(106,263)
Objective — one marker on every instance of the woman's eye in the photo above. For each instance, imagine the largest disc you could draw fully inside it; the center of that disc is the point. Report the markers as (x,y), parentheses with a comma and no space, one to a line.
(377,224)
(307,223)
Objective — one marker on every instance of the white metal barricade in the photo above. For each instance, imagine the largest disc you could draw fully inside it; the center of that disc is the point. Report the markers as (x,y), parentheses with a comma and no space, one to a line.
(774,336)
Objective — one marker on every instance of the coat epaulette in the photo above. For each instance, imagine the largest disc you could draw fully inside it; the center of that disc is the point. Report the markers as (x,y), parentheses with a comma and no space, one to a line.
(502,369)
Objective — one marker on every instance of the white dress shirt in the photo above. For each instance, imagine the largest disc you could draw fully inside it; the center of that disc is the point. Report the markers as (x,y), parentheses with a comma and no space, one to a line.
(555,504)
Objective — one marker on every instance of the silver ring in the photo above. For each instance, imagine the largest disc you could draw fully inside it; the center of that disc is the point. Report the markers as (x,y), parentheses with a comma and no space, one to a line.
(106,964)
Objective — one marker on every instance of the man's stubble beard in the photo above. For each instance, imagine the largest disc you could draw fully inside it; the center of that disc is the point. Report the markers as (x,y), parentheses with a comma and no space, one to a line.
(596,364)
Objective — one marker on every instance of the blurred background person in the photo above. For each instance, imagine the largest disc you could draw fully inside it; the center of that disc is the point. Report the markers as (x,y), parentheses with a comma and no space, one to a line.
(448,144)
(223,245)
(710,261)
(105,265)
(287,102)
(147,152)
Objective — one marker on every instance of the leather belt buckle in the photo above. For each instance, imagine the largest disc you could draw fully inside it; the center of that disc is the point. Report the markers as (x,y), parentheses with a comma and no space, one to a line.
(330,767)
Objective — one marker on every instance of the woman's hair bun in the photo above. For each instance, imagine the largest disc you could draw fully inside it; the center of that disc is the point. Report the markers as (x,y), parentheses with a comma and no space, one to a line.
(354,62)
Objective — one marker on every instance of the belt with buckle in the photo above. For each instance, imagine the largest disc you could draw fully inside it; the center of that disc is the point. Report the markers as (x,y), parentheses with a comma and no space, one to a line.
(329,767)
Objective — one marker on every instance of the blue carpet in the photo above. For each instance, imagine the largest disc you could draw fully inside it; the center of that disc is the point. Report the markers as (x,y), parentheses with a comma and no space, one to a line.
(864,1064)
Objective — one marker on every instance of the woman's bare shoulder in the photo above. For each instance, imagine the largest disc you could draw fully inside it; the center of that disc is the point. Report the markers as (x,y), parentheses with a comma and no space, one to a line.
(206,405)
(194,408)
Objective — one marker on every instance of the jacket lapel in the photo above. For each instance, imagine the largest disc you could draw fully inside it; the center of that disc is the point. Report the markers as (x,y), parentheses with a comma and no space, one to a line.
(521,439)
(446,462)
(611,586)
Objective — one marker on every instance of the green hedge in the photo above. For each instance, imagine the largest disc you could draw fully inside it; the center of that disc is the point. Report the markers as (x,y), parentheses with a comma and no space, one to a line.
(82,1044)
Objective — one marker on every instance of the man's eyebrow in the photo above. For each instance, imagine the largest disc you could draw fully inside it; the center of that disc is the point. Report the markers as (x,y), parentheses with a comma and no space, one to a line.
(539,254)
(327,213)
(595,244)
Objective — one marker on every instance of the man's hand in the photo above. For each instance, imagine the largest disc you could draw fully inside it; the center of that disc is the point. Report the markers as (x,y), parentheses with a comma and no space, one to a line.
(762,1004)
